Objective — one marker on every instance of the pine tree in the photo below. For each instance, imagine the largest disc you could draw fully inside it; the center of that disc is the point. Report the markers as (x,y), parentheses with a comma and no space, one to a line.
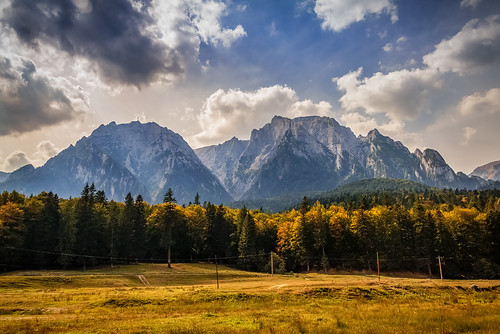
(126,229)
(247,235)
(139,222)
(169,197)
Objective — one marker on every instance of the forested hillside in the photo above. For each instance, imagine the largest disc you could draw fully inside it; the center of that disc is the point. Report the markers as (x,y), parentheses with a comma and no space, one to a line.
(409,231)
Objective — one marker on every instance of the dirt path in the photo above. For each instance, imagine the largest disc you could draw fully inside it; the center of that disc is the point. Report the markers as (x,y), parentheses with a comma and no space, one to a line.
(143,280)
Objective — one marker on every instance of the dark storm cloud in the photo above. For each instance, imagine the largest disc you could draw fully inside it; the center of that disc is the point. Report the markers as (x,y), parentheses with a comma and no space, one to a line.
(112,34)
(29,101)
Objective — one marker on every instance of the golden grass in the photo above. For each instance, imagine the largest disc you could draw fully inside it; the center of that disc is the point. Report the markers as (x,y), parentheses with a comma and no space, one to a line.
(184,299)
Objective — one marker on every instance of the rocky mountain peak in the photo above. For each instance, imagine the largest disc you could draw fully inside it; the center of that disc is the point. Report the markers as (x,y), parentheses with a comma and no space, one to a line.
(490,171)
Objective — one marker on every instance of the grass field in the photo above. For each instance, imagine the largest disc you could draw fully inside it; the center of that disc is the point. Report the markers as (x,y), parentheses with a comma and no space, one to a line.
(151,298)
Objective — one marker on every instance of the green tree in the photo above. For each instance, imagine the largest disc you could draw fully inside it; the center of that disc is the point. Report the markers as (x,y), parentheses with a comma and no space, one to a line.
(493,229)
(12,231)
(246,241)
(139,227)
(126,229)
(169,197)
(67,231)
(164,218)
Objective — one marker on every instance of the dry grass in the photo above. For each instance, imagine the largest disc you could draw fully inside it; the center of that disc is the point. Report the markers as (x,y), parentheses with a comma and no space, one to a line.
(184,299)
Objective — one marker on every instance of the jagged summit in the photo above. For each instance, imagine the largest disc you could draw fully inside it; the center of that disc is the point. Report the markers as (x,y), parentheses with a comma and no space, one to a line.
(490,171)
(285,156)
(317,153)
(136,157)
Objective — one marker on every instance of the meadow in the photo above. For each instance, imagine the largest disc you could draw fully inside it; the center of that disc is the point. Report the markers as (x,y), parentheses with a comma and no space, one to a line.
(147,298)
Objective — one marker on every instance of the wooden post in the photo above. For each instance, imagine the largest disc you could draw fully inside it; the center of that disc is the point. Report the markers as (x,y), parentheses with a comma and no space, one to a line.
(378,268)
(272,266)
(440,269)
(216,272)
(168,257)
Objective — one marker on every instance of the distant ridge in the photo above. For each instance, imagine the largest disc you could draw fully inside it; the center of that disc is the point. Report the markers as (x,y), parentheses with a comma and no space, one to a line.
(283,159)
(141,158)
(311,154)
(489,171)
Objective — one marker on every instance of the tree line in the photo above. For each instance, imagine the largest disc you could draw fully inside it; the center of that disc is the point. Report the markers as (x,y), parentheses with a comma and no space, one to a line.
(407,231)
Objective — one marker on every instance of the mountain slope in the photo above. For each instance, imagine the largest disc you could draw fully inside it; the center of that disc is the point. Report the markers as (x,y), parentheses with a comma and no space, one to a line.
(3,176)
(306,153)
(317,153)
(489,171)
(135,157)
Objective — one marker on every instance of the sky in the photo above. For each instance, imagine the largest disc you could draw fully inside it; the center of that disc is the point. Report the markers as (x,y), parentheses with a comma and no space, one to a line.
(426,73)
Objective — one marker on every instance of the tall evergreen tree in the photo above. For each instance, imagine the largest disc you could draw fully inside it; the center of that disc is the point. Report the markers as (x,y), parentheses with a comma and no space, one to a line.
(139,228)
(126,235)
(169,197)
(247,236)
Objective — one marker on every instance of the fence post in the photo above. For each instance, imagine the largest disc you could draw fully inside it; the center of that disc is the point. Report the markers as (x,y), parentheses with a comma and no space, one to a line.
(272,266)
(378,268)
(216,272)
(440,269)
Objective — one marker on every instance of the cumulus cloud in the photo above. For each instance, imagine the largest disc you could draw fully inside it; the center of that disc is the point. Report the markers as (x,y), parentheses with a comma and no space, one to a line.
(468,134)
(339,14)
(361,124)
(481,103)
(403,95)
(15,160)
(475,48)
(470,3)
(400,95)
(129,42)
(235,113)
(30,100)
(44,151)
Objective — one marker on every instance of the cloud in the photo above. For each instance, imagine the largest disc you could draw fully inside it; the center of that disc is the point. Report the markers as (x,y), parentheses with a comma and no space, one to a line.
(468,134)
(400,95)
(44,151)
(30,100)
(235,113)
(390,46)
(361,124)
(339,14)
(405,94)
(470,3)
(476,48)
(128,42)
(15,160)
(481,103)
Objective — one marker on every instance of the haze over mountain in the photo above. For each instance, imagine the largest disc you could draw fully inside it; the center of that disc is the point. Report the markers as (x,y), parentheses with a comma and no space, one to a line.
(489,171)
(317,153)
(139,158)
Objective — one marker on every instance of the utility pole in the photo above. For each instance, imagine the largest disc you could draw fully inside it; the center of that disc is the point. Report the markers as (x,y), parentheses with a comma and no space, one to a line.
(216,272)
(272,266)
(440,269)
(378,268)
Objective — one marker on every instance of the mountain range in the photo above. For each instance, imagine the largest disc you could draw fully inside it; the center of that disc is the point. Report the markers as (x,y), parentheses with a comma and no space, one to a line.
(286,156)
(317,153)
(139,158)
(489,171)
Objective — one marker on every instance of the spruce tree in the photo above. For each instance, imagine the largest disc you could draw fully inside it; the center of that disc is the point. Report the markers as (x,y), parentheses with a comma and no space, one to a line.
(169,197)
